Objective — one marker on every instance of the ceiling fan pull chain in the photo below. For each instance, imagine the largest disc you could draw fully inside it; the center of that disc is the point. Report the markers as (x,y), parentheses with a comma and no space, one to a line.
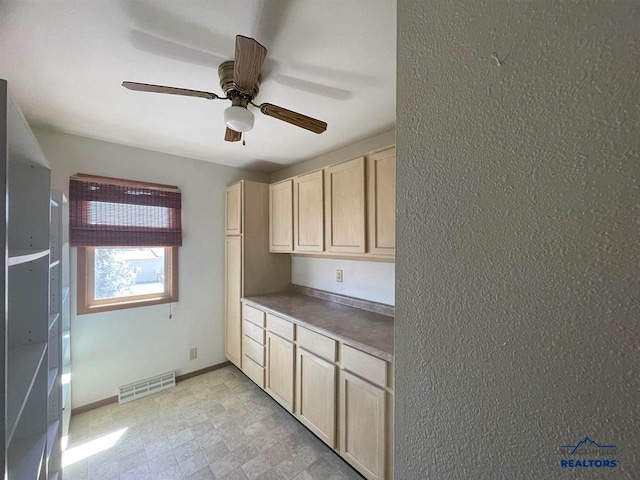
(243,142)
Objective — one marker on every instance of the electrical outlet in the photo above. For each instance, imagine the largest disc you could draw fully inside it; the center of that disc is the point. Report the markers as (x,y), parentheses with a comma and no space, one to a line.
(339,276)
(193,353)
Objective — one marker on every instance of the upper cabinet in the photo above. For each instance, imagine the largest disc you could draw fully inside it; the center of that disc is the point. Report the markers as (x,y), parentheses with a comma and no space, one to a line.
(233,202)
(382,202)
(345,204)
(281,216)
(346,209)
(308,212)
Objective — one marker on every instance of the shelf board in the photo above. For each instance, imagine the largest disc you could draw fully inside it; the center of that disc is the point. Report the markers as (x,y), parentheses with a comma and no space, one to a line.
(24,362)
(53,264)
(52,433)
(24,456)
(53,203)
(51,380)
(18,256)
(52,319)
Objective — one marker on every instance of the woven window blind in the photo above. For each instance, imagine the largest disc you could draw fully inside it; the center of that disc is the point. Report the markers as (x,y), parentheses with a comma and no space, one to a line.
(111,212)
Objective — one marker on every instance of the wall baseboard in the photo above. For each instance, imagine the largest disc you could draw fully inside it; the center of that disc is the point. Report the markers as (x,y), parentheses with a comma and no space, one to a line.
(94,405)
(179,378)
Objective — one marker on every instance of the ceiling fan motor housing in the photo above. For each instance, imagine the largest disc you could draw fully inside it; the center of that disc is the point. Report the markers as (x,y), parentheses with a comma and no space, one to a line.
(229,87)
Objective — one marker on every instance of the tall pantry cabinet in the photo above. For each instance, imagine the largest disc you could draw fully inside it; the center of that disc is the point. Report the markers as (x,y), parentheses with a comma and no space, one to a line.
(249,267)
(31,333)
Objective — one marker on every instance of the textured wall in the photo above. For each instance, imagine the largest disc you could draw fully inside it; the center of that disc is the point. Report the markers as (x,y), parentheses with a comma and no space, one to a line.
(115,348)
(518,217)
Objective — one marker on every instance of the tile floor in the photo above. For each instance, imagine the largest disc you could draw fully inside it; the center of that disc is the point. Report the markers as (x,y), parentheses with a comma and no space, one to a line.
(218,426)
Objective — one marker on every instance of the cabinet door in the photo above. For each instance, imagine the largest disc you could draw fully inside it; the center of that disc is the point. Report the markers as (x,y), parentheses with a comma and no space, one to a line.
(233,215)
(308,212)
(362,425)
(281,216)
(316,395)
(280,370)
(382,202)
(345,204)
(233,293)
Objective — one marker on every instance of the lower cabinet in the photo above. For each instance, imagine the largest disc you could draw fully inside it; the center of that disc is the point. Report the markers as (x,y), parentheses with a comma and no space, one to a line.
(362,425)
(316,395)
(342,394)
(280,370)
(253,370)
(253,344)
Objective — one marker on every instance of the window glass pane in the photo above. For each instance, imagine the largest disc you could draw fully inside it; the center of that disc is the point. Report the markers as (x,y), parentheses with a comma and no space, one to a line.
(124,272)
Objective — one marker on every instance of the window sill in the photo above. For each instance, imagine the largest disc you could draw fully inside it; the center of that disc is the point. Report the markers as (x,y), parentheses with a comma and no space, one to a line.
(88,309)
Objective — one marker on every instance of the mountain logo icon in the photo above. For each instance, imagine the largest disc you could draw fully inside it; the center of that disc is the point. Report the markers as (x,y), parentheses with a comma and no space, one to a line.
(586,442)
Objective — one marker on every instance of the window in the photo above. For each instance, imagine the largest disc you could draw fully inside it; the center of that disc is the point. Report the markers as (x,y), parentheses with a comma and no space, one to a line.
(127,234)
(125,277)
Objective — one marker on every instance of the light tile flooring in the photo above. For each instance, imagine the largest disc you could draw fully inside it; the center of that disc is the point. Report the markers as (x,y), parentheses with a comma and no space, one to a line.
(219,425)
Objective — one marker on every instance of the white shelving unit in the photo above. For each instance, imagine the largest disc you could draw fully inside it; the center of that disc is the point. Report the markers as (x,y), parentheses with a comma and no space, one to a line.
(60,302)
(32,333)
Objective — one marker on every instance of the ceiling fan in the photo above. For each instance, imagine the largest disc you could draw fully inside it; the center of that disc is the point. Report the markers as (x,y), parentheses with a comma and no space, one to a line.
(240,80)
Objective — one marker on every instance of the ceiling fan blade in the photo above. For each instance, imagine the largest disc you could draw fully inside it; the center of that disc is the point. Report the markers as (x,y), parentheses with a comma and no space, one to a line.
(232,135)
(147,87)
(148,43)
(248,61)
(294,118)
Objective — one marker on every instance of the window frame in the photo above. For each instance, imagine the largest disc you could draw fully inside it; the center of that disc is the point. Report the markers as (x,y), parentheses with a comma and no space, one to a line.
(86,302)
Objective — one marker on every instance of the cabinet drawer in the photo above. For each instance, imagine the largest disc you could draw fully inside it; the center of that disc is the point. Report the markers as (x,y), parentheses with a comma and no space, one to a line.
(280,326)
(322,346)
(252,370)
(366,366)
(253,315)
(253,350)
(253,331)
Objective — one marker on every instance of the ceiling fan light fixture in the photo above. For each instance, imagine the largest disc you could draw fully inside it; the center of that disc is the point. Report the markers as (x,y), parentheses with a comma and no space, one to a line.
(238,118)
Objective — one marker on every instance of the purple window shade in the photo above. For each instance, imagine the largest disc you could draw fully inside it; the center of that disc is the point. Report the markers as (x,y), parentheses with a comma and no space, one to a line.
(118,214)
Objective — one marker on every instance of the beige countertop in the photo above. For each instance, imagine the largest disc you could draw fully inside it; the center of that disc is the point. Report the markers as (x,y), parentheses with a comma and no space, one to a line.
(361,329)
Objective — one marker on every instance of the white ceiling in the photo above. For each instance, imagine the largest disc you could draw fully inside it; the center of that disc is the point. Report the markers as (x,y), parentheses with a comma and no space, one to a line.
(332,60)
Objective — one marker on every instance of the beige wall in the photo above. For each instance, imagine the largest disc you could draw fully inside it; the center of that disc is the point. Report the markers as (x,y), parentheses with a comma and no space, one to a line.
(115,348)
(517,320)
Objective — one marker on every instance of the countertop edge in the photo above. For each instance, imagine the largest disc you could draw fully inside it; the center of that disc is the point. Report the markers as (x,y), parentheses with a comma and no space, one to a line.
(386,356)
